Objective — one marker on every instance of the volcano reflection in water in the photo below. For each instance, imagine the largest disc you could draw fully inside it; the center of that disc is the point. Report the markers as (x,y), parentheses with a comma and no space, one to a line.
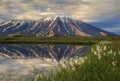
(42,51)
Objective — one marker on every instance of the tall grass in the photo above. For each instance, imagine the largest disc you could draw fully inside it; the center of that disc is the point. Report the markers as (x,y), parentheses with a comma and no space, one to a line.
(101,64)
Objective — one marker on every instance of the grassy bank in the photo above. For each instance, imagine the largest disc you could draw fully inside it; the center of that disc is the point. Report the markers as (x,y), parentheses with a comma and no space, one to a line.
(25,39)
(101,64)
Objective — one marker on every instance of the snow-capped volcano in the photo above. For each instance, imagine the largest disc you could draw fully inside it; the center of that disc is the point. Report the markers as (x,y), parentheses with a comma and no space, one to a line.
(50,26)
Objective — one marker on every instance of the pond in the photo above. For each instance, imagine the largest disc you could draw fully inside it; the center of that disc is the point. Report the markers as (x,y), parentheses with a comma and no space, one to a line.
(20,59)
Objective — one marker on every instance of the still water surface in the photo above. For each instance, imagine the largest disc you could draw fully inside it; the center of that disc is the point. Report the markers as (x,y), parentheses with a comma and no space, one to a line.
(22,58)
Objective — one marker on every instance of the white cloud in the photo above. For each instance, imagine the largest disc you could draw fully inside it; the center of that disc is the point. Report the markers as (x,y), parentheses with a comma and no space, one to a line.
(47,13)
(112,29)
(27,15)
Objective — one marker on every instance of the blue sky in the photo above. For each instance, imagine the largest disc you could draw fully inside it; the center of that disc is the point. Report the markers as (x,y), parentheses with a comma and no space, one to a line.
(104,14)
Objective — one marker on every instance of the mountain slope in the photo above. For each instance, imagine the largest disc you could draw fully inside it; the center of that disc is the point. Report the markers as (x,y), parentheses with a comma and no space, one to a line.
(51,26)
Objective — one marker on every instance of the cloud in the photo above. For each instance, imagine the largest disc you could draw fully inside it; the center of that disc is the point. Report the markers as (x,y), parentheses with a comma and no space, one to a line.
(98,10)
(47,13)
(86,10)
(112,29)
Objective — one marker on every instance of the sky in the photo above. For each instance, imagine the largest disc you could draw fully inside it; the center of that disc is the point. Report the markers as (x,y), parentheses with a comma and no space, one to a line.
(103,14)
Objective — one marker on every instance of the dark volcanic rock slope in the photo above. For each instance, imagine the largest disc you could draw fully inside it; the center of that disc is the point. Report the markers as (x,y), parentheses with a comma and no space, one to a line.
(58,25)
